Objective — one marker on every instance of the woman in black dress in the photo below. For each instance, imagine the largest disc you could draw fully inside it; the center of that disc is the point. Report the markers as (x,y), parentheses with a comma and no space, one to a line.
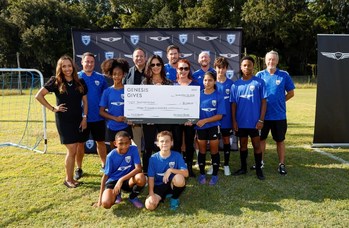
(70,116)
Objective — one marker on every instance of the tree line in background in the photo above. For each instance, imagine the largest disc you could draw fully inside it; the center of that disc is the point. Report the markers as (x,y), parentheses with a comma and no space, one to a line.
(41,30)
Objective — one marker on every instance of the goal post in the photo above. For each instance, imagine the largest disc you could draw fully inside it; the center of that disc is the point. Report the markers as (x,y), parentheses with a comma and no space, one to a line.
(22,118)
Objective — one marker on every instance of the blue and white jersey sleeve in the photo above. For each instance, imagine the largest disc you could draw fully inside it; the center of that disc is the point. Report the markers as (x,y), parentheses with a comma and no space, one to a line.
(224,89)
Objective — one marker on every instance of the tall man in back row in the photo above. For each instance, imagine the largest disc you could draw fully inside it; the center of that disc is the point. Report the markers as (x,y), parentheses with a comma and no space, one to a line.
(96,84)
(280,88)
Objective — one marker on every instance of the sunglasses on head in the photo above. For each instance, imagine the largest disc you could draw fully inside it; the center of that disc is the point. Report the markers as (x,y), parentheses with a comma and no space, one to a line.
(155,64)
(183,68)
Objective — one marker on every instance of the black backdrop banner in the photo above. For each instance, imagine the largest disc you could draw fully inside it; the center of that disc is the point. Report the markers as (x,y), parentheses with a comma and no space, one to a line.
(122,42)
(332,100)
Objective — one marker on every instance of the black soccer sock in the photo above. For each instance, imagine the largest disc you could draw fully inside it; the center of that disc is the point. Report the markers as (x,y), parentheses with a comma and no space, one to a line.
(226,149)
(215,163)
(243,159)
(258,160)
(177,191)
(135,191)
(202,162)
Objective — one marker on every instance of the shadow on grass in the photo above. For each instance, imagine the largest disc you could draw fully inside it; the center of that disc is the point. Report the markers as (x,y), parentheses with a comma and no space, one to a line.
(310,178)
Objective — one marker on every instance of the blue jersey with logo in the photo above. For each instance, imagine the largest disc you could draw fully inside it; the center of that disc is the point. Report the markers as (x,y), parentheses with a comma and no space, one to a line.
(159,165)
(199,76)
(171,72)
(118,165)
(211,105)
(276,86)
(113,100)
(224,89)
(96,84)
(248,96)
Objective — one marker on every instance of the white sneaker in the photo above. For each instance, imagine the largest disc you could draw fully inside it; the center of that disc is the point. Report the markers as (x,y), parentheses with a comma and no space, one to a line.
(210,170)
(227,171)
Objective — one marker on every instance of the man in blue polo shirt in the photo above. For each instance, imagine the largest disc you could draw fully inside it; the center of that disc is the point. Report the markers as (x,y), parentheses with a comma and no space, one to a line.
(96,84)
(280,88)
(171,67)
(204,61)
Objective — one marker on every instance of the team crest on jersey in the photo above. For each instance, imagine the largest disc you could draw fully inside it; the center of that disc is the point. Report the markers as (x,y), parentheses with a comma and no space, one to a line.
(183,38)
(252,87)
(214,103)
(134,39)
(278,82)
(171,164)
(86,39)
(230,38)
(109,54)
(97,83)
(230,74)
(122,96)
(227,91)
(89,144)
(159,53)
(128,159)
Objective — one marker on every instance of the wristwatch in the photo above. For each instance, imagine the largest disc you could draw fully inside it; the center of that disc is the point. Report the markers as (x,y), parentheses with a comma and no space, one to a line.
(84,116)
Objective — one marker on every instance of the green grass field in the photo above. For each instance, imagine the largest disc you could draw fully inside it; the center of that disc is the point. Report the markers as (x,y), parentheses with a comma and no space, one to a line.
(315,193)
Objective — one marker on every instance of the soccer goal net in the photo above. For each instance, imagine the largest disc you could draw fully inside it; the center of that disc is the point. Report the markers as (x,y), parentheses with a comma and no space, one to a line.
(22,118)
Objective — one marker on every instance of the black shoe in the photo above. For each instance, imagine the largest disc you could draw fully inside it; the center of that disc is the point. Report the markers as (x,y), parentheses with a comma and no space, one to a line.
(260,174)
(191,173)
(282,169)
(240,172)
(78,173)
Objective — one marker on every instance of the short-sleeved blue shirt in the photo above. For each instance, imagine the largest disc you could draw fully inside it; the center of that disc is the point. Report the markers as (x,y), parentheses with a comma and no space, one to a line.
(171,72)
(199,76)
(248,96)
(118,165)
(276,86)
(224,89)
(159,165)
(96,84)
(113,100)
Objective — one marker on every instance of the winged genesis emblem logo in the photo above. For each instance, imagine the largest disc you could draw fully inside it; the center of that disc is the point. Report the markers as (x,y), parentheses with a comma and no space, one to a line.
(336,55)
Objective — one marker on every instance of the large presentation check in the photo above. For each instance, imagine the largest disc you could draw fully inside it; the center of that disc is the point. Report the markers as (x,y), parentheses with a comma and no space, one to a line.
(162,104)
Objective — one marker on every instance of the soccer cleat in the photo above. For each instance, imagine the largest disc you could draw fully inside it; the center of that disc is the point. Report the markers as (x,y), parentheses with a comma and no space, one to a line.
(78,173)
(136,202)
(240,172)
(213,180)
(260,174)
(282,169)
(202,179)
(254,166)
(210,170)
(118,199)
(174,204)
(227,171)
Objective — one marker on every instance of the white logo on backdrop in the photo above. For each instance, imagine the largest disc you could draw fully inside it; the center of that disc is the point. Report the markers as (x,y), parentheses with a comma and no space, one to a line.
(336,55)
(109,54)
(183,38)
(207,38)
(134,39)
(230,38)
(159,38)
(111,39)
(86,39)
(229,55)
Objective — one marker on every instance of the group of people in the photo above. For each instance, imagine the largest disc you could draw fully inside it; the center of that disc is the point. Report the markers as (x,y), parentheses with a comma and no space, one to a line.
(250,106)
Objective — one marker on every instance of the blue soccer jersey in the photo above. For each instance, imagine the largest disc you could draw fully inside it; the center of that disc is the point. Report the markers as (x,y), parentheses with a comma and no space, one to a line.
(96,84)
(276,86)
(199,76)
(211,105)
(113,100)
(171,72)
(248,96)
(159,165)
(224,89)
(118,165)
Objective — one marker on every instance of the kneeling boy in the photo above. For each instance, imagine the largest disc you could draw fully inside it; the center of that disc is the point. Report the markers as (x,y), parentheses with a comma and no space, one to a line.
(166,172)
(123,170)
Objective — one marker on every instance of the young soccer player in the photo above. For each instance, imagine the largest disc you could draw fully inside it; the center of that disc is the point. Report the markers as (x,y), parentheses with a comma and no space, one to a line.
(212,109)
(166,173)
(123,171)
(248,97)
